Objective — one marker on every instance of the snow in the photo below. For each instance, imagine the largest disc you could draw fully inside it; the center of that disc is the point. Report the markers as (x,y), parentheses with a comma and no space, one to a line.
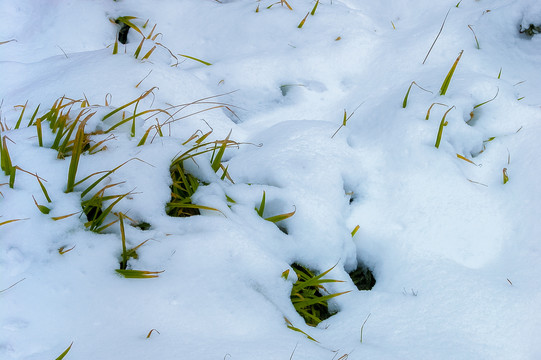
(454,250)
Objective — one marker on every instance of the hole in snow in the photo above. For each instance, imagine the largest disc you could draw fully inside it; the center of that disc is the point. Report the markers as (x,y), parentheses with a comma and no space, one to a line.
(363,278)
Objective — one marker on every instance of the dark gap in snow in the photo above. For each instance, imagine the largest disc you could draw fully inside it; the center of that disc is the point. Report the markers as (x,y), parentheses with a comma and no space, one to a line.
(363,278)
(123,34)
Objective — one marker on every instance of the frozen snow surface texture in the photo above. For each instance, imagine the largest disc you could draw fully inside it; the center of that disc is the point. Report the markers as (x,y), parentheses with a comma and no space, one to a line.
(451,233)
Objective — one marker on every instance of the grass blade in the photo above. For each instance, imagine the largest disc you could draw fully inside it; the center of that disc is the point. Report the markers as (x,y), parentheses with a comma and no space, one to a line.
(217,160)
(277,218)
(124,263)
(447,80)
(261,208)
(196,59)
(65,352)
(313,12)
(290,326)
(10,221)
(76,153)
(475,36)
(301,24)
(127,20)
(33,117)
(430,108)
(21,117)
(138,274)
(440,130)
(355,230)
(40,133)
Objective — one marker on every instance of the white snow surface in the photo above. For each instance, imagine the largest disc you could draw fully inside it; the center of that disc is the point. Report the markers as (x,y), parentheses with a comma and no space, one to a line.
(455,251)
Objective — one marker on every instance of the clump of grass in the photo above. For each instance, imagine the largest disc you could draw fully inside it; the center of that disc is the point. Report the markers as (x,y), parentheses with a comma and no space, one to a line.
(440,130)
(449,76)
(94,209)
(184,184)
(309,296)
(126,24)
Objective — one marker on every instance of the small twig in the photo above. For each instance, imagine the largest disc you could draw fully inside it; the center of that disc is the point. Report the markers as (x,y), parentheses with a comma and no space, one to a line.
(291,357)
(139,83)
(437,36)
(476,182)
(6,289)
(63,51)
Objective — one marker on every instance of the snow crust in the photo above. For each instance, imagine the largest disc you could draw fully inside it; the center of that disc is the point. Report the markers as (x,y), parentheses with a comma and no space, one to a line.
(455,251)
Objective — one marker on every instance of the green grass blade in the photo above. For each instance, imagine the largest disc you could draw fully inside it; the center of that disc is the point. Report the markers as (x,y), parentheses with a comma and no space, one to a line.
(43,209)
(124,263)
(127,20)
(21,117)
(40,133)
(277,218)
(76,153)
(405,102)
(31,122)
(447,80)
(217,160)
(440,130)
(65,352)
(301,24)
(196,59)
(261,208)
(313,12)
(483,103)
(12,173)
(138,274)
(115,47)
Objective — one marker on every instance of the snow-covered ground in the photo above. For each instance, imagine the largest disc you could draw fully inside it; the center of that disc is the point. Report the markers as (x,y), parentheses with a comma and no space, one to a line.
(455,252)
